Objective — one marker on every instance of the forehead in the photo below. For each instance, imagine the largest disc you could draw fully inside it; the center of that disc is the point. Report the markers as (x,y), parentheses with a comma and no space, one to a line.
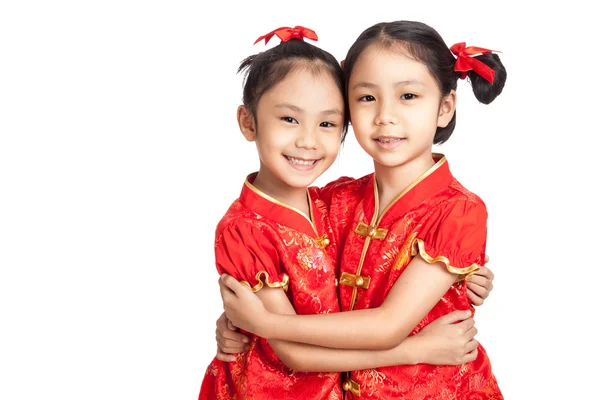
(379,64)
(305,84)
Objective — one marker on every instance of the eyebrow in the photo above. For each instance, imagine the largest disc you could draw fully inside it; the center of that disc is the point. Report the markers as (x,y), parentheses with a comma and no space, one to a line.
(290,106)
(369,85)
(298,109)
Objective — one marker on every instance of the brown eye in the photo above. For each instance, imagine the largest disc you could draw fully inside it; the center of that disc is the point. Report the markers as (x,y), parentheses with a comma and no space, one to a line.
(367,98)
(408,96)
(289,120)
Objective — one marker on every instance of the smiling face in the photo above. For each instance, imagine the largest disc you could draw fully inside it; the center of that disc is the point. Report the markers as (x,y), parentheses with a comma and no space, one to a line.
(298,128)
(395,106)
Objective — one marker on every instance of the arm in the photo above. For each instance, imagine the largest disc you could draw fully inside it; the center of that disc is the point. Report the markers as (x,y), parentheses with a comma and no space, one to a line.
(413,295)
(452,243)
(443,342)
(229,341)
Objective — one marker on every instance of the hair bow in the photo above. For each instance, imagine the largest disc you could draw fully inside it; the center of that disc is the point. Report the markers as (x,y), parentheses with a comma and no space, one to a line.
(286,33)
(465,62)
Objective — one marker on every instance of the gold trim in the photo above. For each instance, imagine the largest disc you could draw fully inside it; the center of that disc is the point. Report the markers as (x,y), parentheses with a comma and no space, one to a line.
(351,386)
(355,280)
(418,247)
(282,204)
(424,175)
(375,233)
(283,284)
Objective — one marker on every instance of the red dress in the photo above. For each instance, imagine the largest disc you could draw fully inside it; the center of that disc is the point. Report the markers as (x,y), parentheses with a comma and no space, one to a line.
(262,241)
(437,218)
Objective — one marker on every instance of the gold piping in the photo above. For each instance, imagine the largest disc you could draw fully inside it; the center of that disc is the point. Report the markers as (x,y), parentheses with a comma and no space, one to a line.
(282,204)
(418,247)
(283,284)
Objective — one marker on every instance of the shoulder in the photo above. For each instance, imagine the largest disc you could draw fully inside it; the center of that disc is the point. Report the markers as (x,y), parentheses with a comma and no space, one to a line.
(456,199)
(240,219)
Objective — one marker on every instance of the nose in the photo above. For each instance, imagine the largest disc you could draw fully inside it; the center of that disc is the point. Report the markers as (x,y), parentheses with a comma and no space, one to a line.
(386,114)
(307,139)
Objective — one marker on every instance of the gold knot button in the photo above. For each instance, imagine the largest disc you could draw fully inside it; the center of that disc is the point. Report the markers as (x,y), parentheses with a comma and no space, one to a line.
(359,281)
(346,386)
(352,387)
(370,231)
(326,241)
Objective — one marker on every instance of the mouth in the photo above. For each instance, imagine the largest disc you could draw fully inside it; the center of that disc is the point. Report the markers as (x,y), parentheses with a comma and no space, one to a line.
(301,163)
(389,142)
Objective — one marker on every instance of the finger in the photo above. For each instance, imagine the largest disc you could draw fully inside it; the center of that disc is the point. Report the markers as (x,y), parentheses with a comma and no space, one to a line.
(230,346)
(475,300)
(455,316)
(225,357)
(486,259)
(470,334)
(226,292)
(483,271)
(233,284)
(471,346)
(479,290)
(222,324)
(234,336)
(471,356)
(465,325)
(482,281)
(231,326)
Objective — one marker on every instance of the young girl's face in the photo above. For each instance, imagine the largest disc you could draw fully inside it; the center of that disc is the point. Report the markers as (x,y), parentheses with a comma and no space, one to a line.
(299,127)
(395,106)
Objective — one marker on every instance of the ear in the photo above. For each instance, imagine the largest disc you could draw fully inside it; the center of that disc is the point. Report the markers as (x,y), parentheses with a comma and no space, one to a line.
(447,109)
(246,123)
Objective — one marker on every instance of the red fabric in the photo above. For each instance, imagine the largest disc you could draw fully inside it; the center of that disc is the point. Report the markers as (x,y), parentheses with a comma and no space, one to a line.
(276,241)
(457,231)
(451,222)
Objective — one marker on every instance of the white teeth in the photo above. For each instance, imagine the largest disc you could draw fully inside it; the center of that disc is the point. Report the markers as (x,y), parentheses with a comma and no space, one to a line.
(388,140)
(300,162)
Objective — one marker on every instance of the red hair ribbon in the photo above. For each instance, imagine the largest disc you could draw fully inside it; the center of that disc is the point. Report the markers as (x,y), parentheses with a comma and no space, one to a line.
(286,33)
(465,63)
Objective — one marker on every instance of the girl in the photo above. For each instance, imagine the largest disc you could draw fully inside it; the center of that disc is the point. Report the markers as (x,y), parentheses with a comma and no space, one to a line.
(277,237)
(410,233)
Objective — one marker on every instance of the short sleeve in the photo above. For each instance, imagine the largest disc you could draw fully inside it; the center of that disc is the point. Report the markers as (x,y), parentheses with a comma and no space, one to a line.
(455,235)
(243,251)
(326,192)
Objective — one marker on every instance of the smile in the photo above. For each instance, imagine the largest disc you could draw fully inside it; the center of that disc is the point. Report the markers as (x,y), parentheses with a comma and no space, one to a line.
(301,163)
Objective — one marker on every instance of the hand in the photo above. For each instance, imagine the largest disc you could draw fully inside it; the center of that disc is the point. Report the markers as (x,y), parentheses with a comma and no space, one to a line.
(243,308)
(449,340)
(480,284)
(229,341)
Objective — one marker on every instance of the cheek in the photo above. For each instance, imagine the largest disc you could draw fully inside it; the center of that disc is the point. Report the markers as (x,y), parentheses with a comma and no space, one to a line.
(361,119)
(422,119)
(331,143)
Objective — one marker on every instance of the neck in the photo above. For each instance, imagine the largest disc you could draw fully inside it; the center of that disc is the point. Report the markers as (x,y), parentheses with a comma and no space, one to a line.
(391,181)
(269,184)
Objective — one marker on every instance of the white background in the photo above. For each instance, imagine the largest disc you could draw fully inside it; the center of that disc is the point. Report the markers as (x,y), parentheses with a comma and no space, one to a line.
(119,153)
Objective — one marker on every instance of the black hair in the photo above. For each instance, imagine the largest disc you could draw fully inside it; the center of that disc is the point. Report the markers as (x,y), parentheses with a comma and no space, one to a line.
(266,69)
(427,46)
